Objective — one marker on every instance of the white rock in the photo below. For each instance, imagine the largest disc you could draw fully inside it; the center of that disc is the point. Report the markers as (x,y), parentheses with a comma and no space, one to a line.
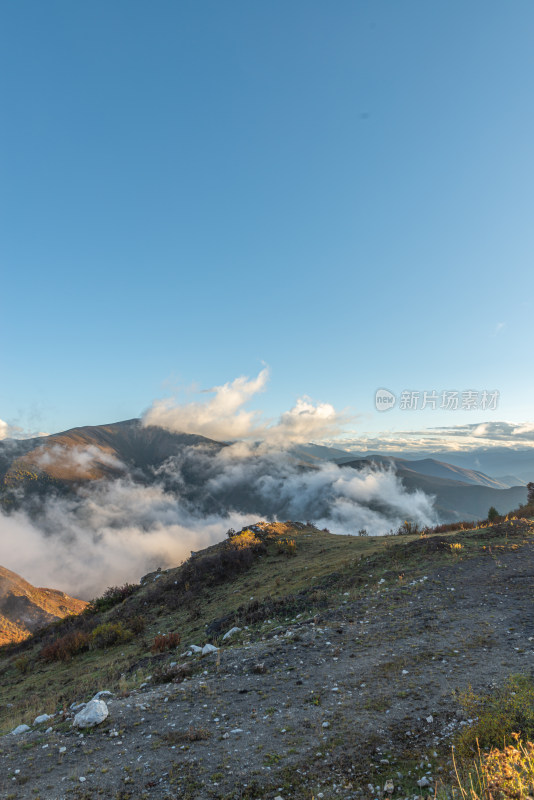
(423,781)
(194,648)
(20,729)
(231,632)
(42,718)
(208,648)
(389,787)
(62,750)
(326,724)
(103,693)
(93,714)
(430,719)
(237,730)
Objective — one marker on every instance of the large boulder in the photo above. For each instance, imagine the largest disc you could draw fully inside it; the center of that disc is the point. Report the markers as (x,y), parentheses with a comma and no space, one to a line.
(93,714)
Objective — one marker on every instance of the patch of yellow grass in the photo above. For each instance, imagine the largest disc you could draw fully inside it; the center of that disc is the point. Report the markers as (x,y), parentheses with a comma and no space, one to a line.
(506,774)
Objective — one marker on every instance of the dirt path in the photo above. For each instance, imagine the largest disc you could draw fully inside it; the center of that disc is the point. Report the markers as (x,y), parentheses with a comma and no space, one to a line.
(321,707)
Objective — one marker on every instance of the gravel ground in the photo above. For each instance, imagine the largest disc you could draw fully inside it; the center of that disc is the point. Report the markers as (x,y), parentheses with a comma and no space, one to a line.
(329,706)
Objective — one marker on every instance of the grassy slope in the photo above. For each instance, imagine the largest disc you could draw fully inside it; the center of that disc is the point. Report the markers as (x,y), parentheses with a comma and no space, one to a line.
(325,567)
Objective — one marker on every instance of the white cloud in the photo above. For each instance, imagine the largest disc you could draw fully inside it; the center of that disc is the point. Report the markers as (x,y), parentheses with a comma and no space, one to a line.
(8,431)
(223,417)
(113,531)
(454,438)
(80,460)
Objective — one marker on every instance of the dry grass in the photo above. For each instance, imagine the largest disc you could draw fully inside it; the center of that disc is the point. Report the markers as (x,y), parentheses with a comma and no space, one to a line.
(506,774)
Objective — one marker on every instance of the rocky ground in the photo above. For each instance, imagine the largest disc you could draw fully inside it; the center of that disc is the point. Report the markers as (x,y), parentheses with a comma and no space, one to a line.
(328,706)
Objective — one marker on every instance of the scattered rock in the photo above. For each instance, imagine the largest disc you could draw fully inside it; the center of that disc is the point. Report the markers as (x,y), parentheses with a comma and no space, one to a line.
(42,718)
(231,632)
(20,729)
(103,693)
(93,714)
(208,648)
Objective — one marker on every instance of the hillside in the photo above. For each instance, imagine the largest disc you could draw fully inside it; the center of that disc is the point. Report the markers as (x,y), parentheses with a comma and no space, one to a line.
(93,452)
(343,672)
(24,608)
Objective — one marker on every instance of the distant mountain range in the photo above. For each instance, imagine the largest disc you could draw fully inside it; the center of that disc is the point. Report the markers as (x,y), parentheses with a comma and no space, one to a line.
(24,608)
(72,458)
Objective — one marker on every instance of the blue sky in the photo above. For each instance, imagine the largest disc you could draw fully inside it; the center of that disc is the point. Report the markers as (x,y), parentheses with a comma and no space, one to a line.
(189,191)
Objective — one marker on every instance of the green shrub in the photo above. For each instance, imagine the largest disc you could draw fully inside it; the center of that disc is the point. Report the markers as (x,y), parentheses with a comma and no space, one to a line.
(22,664)
(407,527)
(137,624)
(112,597)
(108,634)
(507,710)
(493,514)
(287,547)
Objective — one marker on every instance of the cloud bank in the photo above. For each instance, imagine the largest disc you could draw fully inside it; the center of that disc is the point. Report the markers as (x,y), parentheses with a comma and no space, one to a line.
(224,418)
(112,530)
(453,439)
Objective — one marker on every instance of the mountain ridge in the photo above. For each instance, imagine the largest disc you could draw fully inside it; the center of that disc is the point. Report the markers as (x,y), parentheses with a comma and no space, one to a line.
(25,608)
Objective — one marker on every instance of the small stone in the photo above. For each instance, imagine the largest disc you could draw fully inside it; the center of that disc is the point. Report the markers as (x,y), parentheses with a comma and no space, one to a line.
(208,648)
(20,729)
(423,781)
(389,787)
(231,632)
(42,718)
(326,724)
(103,693)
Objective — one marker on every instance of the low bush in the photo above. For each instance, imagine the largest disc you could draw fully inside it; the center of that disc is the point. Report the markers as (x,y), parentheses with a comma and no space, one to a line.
(67,646)
(506,774)
(244,540)
(22,664)
(287,547)
(112,597)
(507,711)
(163,642)
(136,624)
(108,634)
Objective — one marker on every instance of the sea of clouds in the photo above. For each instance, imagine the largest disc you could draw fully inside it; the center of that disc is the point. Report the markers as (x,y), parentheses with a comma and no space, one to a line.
(114,530)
